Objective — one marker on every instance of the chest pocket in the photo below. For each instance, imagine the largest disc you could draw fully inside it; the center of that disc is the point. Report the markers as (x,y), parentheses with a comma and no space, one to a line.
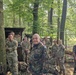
(38,54)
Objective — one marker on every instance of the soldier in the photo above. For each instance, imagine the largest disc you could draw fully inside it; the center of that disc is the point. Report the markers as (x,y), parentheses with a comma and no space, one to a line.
(47,42)
(60,56)
(37,57)
(11,53)
(25,48)
(54,49)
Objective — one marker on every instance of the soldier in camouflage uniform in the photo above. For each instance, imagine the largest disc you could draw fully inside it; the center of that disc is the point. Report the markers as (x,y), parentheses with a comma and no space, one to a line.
(60,56)
(11,53)
(37,57)
(54,50)
(25,48)
(47,43)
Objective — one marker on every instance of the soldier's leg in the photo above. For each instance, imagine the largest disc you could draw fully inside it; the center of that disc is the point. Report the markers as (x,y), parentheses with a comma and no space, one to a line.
(24,57)
(15,66)
(9,60)
(62,67)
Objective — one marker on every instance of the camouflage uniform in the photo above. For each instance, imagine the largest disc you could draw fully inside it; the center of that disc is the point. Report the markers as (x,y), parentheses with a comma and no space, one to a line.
(51,66)
(54,50)
(25,46)
(47,43)
(37,58)
(11,53)
(60,56)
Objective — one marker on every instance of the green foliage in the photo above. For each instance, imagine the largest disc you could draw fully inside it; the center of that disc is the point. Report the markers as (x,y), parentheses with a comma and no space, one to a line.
(24,10)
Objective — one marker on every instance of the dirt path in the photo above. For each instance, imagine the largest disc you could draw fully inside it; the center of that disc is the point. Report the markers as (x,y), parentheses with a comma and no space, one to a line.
(69,68)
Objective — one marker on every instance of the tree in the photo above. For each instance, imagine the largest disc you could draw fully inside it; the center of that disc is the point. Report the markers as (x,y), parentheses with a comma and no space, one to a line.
(63,19)
(58,21)
(50,19)
(2,39)
(35,16)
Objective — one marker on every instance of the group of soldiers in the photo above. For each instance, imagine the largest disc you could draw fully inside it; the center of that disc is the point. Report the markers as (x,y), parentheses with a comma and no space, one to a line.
(36,55)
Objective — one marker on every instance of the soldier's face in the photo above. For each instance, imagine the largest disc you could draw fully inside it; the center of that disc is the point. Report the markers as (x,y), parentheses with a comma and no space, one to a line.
(35,39)
(55,42)
(10,37)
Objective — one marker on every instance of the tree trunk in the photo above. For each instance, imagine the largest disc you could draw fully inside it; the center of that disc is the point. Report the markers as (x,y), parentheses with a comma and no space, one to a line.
(2,40)
(50,16)
(13,18)
(58,22)
(19,21)
(35,16)
(63,19)
(19,17)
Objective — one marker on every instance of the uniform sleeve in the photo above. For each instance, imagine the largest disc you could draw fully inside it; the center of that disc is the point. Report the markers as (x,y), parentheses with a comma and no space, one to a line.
(45,58)
(23,47)
(15,45)
(6,46)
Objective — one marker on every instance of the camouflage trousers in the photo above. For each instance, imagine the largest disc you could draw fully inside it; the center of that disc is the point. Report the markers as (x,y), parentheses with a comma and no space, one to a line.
(24,56)
(61,65)
(13,64)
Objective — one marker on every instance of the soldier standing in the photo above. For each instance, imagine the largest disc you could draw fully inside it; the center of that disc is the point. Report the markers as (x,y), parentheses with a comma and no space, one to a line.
(37,57)
(47,42)
(11,53)
(60,55)
(25,48)
(54,49)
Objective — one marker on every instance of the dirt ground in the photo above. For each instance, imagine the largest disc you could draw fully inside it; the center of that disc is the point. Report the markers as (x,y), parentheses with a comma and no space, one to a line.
(69,68)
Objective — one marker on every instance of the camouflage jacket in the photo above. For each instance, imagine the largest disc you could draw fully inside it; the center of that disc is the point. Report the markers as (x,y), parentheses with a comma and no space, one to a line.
(37,58)
(11,47)
(25,45)
(54,50)
(61,51)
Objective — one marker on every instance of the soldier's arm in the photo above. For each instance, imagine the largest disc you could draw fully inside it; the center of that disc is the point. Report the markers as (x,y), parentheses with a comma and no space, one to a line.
(45,59)
(15,45)
(6,46)
(23,47)
(28,48)
(51,49)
